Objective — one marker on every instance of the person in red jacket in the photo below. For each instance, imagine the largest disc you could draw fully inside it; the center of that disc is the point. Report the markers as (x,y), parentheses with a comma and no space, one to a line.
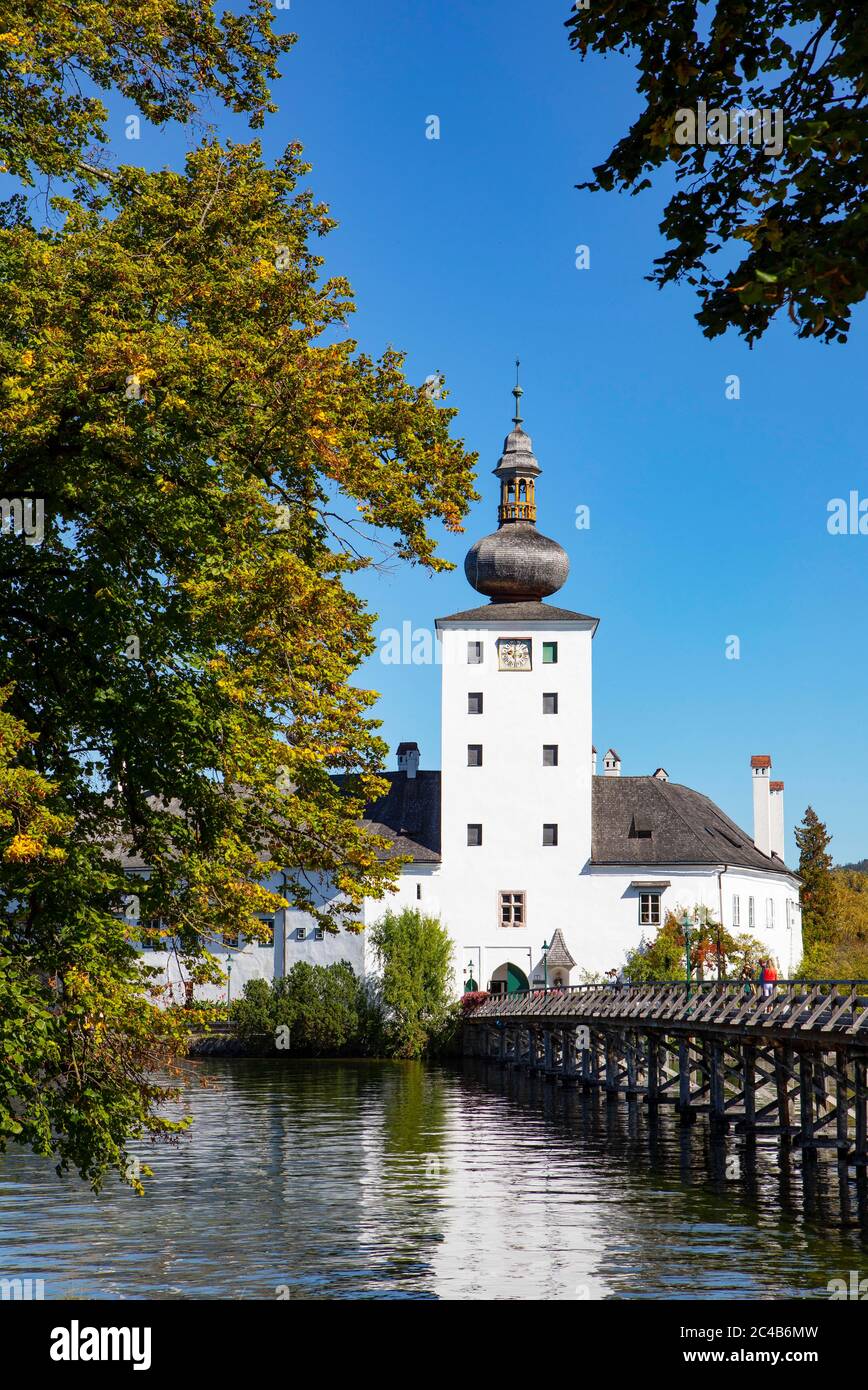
(768,978)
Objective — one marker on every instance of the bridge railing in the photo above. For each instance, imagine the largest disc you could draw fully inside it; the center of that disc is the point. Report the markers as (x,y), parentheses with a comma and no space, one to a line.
(834,1005)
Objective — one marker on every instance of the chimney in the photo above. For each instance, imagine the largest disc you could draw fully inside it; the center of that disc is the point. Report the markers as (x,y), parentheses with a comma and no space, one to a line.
(661,774)
(611,764)
(593,761)
(776,798)
(408,758)
(761,765)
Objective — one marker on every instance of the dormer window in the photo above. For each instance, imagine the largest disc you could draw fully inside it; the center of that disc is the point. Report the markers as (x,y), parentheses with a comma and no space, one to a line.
(641,828)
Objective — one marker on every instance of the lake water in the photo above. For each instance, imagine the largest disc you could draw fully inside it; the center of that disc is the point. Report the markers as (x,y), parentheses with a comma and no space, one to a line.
(402,1180)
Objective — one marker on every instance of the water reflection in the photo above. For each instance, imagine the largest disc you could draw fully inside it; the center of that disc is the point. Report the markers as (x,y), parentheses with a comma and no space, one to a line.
(396,1180)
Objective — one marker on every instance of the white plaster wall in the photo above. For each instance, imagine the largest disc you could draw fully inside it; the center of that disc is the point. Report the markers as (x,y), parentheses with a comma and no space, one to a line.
(512,795)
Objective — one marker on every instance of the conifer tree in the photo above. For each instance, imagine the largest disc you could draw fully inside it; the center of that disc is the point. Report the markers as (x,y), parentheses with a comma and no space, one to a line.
(815,865)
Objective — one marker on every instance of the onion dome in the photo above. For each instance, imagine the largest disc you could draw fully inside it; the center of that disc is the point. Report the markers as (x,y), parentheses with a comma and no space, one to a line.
(516,563)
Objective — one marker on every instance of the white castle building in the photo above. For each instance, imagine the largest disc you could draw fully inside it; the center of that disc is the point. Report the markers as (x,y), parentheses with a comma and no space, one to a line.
(540,863)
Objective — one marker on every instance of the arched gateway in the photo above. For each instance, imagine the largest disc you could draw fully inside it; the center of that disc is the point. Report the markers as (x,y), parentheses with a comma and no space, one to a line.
(508,978)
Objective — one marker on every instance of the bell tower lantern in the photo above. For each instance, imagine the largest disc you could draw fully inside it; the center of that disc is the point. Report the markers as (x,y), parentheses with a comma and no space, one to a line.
(517,470)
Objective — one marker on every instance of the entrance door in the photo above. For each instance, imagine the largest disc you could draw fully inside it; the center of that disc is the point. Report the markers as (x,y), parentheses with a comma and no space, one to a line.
(507,978)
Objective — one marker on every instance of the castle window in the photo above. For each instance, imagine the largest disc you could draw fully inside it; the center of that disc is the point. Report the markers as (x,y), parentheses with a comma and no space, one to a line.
(418,891)
(474,755)
(474,702)
(231,938)
(770,912)
(550,653)
(522,491)
(649,909)
(550,703)
(318,933)
(512,909)
(299,933)
(550,834)
(751,915)
(550,755)
(474,653)
(474,836)
(736,910)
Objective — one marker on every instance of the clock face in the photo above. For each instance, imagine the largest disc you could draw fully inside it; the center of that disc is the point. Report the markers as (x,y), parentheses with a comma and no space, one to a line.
(514,653)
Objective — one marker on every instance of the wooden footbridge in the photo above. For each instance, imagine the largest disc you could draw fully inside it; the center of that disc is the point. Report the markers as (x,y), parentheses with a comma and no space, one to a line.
(793,1066)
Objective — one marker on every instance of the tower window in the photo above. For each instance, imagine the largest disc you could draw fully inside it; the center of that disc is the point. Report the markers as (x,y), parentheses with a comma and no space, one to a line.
(550,653)
(512,909)
(474,702)
(550,703)
(474,653)
(649,909)
(550,755)
(474,835)
(474,755)
(550,834)
(418,891)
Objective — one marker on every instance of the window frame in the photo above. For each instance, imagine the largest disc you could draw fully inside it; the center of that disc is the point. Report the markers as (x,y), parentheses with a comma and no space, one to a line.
(553,648)
(474,825)
(550,695)
(475,653)
(654,898)
(475,695)
(553,827)
(474,748)
(553,749)
(512,894)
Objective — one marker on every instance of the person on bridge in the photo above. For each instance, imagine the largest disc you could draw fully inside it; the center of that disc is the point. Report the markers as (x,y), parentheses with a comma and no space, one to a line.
(768,978)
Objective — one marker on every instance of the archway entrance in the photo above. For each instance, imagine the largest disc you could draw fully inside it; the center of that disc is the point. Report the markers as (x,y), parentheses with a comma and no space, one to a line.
(508,978)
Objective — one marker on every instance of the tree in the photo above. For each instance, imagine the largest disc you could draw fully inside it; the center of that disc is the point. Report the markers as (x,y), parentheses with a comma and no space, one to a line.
(414,954)
(79,1042)
(712,947)
(796,212)
(840,950)
(323,1008)
(215,461)
(815,864)
(164,57)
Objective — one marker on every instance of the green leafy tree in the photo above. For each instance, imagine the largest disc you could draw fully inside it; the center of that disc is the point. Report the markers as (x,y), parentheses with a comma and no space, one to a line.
(815,864)
(754,230)
(216,460)
(712,948)
(165,56)
(414,955)
(322,1006)
(80,1044)
(840,950)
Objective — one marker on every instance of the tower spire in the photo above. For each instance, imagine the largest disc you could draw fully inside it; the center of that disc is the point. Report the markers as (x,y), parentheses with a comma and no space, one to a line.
(518,393)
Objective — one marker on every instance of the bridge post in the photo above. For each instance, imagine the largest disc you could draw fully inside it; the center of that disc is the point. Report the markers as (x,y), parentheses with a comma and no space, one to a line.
(687,1115)
(716,1088)
(842,1104)
(748,1074)
(860,1098)
(611,1066)
(783,1072)
(806,1106)
(630,1047)
(653,1069)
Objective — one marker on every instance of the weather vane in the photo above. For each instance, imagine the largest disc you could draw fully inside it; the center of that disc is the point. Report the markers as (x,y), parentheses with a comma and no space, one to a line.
(518,393)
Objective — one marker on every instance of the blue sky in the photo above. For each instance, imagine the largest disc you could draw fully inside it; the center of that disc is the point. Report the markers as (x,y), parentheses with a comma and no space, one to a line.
(708,516)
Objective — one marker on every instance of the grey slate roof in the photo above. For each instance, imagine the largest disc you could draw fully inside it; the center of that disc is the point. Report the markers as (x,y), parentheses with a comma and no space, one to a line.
(518,613)
(687,828)
(409,815)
